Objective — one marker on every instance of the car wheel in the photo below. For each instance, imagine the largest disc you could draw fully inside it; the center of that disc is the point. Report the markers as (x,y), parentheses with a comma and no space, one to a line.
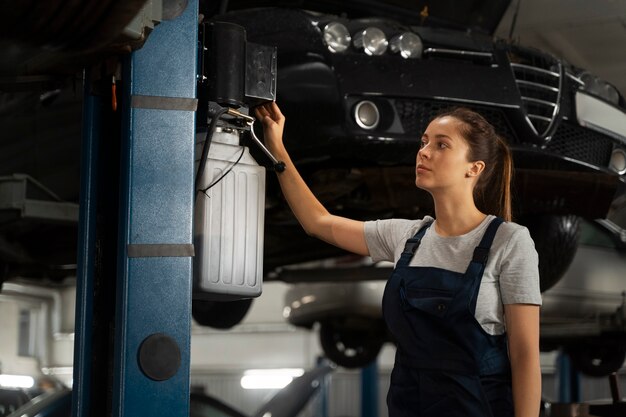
(352,342)
(595,359)
(556,241)
(220,314)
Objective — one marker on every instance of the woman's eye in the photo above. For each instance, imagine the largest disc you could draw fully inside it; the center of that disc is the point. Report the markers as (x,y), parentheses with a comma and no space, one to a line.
(422,144)
(442,145)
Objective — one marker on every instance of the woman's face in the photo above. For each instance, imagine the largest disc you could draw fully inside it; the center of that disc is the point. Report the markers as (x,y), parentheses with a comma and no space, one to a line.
(442,159)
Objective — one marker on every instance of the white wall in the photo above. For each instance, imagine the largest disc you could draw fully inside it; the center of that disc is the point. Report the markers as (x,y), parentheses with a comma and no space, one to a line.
(262,340)
(219,358)
(52,320)
(10,362)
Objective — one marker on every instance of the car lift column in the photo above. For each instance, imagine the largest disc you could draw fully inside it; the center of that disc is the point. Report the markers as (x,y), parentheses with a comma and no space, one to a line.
(152,324)
(369,390)
(568,380)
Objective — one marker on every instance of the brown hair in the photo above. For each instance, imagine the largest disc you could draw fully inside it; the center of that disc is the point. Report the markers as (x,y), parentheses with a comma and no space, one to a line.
(492,193)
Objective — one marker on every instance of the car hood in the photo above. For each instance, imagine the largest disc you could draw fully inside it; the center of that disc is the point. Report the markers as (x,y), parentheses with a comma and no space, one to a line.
(475,15)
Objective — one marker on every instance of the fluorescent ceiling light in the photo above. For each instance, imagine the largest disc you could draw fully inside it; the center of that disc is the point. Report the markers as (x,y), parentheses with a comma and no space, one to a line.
(17,381)
(269,378)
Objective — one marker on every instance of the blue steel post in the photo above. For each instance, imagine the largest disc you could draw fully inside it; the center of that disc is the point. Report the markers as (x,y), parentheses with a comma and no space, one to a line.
(369,390)
(91,127)
(322,409)
(153,317)
(568,380)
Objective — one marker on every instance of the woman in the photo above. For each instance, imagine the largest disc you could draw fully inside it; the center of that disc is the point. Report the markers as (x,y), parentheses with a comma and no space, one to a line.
(473,275)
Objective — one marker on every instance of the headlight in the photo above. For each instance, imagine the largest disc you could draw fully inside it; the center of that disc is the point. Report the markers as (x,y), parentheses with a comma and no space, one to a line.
(408,44)
(618,161)
(372,40)
(600,88)
(366,114)
(336,37)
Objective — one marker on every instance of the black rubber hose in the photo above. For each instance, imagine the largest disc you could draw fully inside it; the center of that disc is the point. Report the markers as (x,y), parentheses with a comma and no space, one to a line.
(206,146)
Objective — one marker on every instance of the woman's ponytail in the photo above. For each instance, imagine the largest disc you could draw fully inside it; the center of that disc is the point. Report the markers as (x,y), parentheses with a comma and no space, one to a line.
(506,177)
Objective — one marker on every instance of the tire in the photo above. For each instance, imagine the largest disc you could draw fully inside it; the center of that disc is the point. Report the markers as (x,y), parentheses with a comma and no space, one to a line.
(352,342)
(597,359)
(556,241)
(220,314)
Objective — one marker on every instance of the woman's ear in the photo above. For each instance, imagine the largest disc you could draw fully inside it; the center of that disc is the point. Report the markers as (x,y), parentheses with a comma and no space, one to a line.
(475,169)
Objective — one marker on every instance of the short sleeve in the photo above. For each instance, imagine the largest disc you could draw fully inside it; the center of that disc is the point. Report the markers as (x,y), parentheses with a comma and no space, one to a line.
(384,236)
(519,272)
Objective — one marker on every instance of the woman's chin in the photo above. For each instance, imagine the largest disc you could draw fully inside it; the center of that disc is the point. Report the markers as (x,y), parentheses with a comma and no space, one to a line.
(419,183)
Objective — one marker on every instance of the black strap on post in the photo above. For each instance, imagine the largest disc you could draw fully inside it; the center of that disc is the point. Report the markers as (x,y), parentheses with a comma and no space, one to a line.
(160,250)
(163,103)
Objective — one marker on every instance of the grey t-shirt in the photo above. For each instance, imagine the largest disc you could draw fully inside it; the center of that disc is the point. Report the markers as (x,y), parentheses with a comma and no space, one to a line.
(511,275)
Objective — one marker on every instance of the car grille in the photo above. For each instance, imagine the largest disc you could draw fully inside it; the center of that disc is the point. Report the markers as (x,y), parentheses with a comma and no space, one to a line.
(539,81)
(570,140)
(581,144)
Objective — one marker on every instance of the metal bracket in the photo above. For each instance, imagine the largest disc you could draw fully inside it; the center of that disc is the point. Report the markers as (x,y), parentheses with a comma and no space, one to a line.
(22,197)
(279,166)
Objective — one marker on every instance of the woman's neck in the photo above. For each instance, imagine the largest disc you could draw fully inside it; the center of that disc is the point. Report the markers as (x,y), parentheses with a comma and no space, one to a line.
(456,216)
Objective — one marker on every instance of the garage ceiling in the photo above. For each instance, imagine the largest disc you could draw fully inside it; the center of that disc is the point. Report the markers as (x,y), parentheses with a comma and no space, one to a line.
(590,34)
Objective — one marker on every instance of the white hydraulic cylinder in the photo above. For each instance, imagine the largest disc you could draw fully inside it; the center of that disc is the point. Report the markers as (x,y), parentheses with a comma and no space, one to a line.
(228,221)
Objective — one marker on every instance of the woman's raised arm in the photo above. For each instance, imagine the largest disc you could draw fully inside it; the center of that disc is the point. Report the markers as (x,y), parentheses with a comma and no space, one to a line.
(313,217)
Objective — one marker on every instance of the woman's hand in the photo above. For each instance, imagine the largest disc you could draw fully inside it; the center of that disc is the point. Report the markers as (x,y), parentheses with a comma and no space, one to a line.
(273,124)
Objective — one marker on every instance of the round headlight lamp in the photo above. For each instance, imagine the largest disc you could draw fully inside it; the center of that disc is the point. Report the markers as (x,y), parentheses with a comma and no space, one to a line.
(600,88)
(408,45)
(618,161)
(336,37)
(366,114)
(610,93)
(372,40)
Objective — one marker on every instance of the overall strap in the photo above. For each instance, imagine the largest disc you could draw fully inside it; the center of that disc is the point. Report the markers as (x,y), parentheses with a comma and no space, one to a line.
(479,261)
(481,253)
(412,244)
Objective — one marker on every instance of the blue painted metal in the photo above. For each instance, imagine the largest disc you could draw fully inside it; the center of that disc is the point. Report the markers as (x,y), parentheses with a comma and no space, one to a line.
(91,127)
(156,207)
(369,390)
(568,380)
(322,404)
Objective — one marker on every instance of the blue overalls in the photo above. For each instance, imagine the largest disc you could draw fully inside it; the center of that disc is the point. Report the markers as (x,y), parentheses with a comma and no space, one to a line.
(446,364)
